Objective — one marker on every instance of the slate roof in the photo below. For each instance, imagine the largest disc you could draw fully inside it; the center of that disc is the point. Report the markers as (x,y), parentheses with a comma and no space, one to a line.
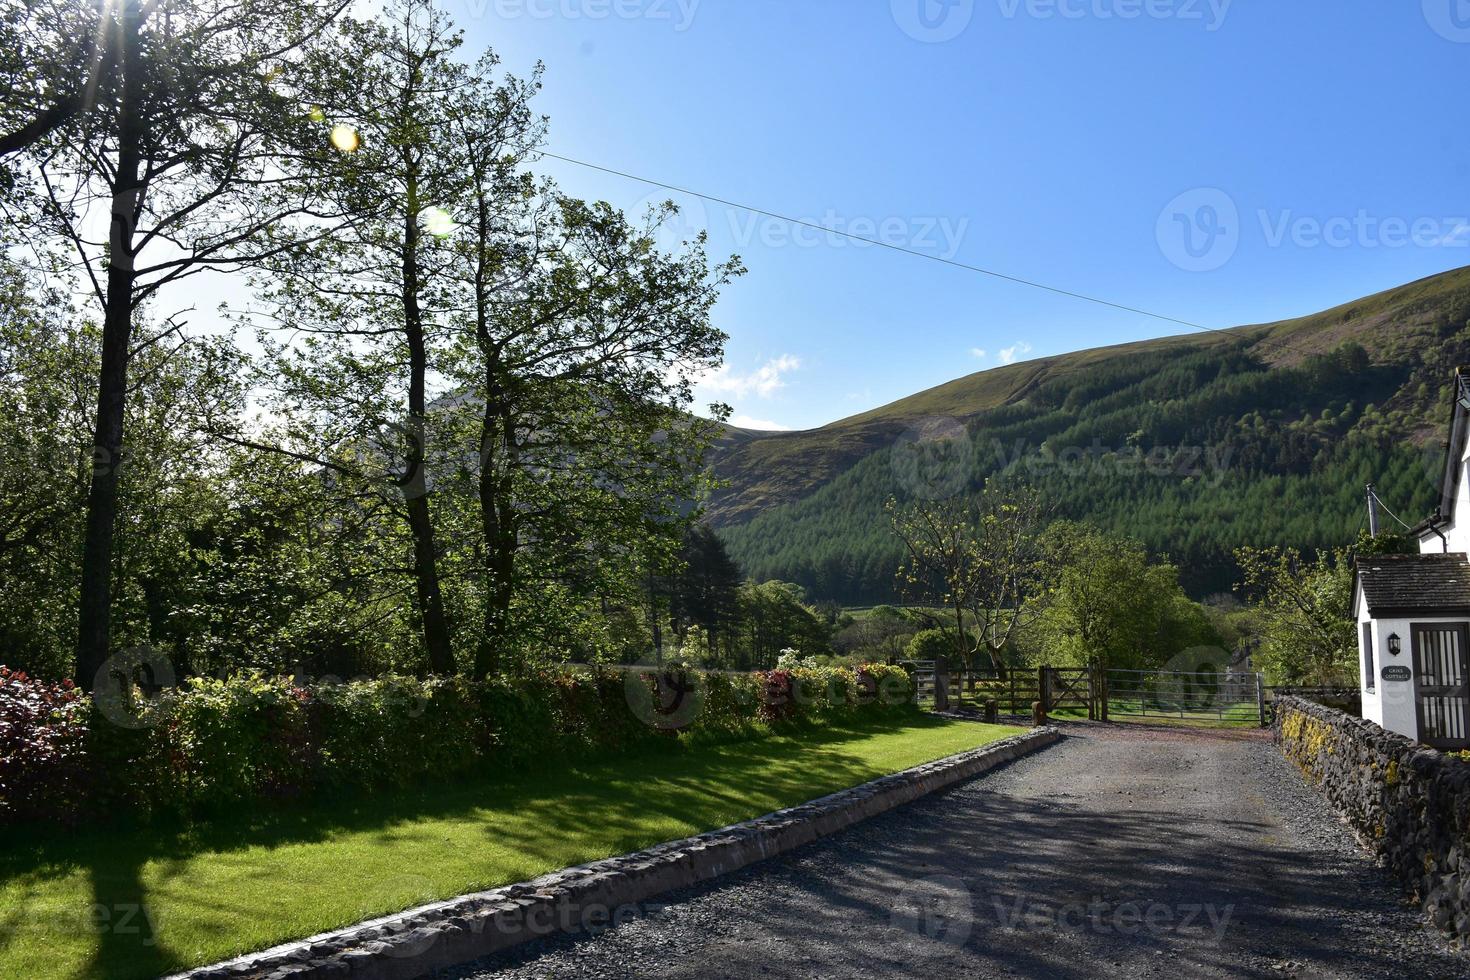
(1427,583)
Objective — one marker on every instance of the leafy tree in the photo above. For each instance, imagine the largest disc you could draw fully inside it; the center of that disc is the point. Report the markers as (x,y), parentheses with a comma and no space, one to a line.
(881,634)
(983,558)
(941,559)
(1107,604)
(372,297)
(1012,564)
(580,360)
(1302,606)
(706,595)
(933,644)
(774,616)
(169,117)
(170,489)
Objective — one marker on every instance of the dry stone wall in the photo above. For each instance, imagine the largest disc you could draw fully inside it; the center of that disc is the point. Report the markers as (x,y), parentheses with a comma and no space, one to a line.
(1408,802)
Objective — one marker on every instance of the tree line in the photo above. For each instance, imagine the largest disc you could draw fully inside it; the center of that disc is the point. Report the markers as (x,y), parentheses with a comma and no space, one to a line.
(1195,453)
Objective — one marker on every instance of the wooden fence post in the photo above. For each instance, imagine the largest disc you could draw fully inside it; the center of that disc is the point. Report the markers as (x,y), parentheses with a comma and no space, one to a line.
(941,685)
(1043,692)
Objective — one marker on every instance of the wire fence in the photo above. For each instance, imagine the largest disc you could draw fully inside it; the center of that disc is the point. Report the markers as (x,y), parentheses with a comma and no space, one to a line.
(1219,696)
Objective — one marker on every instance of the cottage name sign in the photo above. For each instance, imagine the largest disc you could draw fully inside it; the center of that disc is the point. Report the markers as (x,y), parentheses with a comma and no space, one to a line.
(1397,673)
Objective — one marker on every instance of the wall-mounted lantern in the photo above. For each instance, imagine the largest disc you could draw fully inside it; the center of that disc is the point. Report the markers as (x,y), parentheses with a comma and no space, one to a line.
(1395,646)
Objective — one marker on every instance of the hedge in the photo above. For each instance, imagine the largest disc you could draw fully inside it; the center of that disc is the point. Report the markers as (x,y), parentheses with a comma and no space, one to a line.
(212,744)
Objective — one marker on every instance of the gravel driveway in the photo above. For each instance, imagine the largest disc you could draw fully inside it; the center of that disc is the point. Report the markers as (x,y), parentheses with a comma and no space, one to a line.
(1135,853)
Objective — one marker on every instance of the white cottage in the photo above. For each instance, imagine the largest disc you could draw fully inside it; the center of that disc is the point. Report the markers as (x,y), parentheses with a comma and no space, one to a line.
(1413,612)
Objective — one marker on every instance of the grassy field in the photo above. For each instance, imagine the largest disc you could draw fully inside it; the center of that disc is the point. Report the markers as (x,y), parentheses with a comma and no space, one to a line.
(137,903)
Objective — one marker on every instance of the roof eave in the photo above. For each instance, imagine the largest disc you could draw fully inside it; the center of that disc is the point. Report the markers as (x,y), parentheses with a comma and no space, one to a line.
(1410,612)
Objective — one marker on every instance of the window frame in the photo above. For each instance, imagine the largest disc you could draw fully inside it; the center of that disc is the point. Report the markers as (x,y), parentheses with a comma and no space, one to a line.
(1369,661)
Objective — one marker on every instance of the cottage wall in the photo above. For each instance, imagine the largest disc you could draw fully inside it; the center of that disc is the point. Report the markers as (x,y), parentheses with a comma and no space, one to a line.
(1457,523)
(1390,704)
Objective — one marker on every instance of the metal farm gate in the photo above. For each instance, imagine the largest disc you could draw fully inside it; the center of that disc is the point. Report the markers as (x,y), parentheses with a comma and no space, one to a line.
(1160,696)
(1205,696)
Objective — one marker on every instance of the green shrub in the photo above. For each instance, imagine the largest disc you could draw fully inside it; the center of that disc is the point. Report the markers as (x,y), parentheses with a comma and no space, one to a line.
(240,739)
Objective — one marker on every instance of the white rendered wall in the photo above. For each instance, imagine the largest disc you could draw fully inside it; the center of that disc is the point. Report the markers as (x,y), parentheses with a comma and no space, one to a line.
(1391,703)
(1455,530)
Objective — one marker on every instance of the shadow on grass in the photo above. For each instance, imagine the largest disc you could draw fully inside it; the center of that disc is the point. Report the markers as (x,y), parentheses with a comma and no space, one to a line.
(627,797)
(123,921)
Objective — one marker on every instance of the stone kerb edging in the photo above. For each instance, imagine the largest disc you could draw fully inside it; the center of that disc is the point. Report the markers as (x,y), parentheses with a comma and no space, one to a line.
(414,943)
(1408,803)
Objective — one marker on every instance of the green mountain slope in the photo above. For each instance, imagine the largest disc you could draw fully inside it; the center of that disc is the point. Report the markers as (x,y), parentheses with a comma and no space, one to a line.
(1194,444)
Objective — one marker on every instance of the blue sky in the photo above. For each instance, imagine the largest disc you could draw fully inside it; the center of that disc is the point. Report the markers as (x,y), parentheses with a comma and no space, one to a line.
(1311,151)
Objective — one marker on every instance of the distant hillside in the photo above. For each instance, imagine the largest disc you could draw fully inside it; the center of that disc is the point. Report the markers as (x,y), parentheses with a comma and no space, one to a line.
(1194,444)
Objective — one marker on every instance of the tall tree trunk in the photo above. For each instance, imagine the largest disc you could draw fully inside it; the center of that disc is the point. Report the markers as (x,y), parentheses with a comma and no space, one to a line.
(961,644)
(497,519)
(95,600)
(415,489)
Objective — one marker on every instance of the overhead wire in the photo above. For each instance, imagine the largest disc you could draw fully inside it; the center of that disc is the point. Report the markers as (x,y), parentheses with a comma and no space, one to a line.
(981,270)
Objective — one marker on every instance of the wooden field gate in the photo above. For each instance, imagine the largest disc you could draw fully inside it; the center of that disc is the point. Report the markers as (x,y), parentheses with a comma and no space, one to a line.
(1069,687)
(1013,692)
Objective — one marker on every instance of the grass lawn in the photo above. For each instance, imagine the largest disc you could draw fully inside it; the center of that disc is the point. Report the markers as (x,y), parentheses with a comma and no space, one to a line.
(139,902)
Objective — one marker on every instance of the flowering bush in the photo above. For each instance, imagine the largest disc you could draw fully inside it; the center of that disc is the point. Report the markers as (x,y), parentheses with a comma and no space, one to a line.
(791,659)
(213,744)
(42,751)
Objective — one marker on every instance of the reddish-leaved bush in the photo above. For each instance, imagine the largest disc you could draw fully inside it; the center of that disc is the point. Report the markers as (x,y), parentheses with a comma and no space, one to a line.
(43,752)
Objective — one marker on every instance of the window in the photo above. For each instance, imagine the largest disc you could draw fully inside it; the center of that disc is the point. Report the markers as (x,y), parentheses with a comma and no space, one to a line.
(1369,671)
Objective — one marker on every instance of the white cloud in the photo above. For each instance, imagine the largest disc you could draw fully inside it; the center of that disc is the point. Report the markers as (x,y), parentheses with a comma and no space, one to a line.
(763,382)
(746,422)
(1009,355)
(978,352)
